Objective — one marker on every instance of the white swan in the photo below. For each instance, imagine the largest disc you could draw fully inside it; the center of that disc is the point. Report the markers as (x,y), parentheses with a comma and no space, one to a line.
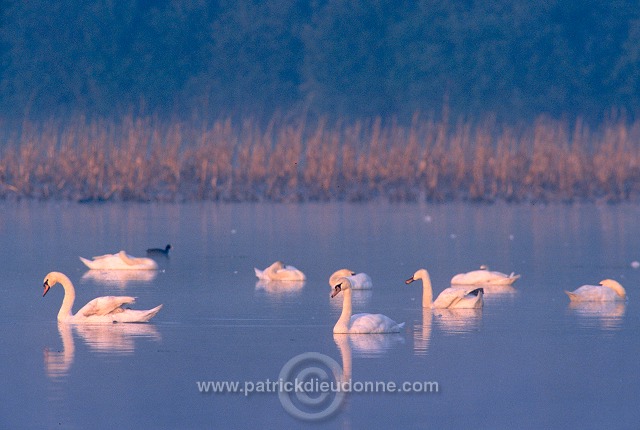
(360,323)
(608,291)
(107,309)
(279,271)
(360,281)
(450,298)
(484,276)
(119,261)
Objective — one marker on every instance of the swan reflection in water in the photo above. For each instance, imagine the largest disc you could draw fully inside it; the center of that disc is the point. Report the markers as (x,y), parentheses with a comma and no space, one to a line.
(422,333)
(100,338)
(279,287)
(457,321)
(604,315)
(119,278)
(359,299)
(363,345)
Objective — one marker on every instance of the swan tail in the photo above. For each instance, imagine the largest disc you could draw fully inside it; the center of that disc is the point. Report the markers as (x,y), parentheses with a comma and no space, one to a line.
(152,312)
(148,314)
(572,296)
(87,262)
(401,325)
(259,273)
(514,276)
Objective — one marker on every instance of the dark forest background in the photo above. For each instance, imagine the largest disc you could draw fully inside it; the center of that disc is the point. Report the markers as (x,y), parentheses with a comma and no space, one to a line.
(343,59)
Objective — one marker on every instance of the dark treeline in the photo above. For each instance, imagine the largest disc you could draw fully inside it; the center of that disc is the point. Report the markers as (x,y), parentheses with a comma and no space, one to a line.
(357,58)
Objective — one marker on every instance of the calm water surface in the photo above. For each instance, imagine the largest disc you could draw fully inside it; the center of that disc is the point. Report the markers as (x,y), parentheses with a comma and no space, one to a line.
(527,360)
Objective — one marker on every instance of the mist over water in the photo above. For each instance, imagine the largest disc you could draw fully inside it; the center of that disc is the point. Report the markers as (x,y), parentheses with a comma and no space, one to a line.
(526,354)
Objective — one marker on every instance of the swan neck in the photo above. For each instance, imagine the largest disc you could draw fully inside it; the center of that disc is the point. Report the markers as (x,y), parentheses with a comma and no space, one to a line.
(345,316)
(67,303)
(427,291)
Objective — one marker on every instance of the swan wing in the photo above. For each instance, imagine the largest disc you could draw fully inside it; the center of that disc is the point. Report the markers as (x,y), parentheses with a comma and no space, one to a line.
(134,315)
(105,305)
(592,293)
(451,296)
(101,257)
(362,281)
(128,260)
(373,323)
(500,278)
(288,273)
(483,277)
(473,277)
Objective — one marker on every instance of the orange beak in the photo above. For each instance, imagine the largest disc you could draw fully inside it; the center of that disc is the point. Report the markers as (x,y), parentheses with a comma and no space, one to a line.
(46,286)
(336,290)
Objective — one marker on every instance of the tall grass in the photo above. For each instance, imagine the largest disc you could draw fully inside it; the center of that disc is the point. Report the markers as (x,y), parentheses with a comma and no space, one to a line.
(145,159)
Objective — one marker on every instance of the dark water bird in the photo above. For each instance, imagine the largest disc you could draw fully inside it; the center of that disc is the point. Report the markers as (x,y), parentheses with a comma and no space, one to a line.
(159,251)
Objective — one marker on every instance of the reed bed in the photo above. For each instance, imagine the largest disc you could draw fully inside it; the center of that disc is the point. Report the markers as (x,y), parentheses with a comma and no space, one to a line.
(145,159)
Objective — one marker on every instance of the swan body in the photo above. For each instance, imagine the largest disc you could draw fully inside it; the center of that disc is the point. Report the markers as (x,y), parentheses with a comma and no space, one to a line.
(119,261)
(107,309)
(279,271)
(608,291)
(360,323)
(360,281)
(484,276)
(450,298)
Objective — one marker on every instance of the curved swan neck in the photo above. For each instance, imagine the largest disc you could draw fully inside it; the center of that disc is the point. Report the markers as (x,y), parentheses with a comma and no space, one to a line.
(427,290)
(615,286)
(69,296)
(345,316)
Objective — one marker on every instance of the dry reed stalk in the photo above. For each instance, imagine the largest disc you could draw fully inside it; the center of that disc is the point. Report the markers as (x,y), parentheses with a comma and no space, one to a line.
(142,159)
(479,165)
(374,166)
(223,142)
(258,168)
(541,178)
(353,169)
(433,156)
(166,155)
(455,160)
(320,163)
(507,167)
(313,159)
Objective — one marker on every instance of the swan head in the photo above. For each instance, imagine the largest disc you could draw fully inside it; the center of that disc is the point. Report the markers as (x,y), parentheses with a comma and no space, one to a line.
(46,286)
(342,273)
(615,286)
(343,285)
(420,274)
(50,280)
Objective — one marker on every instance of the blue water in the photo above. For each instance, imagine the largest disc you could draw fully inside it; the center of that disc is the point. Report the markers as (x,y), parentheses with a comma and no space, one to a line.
(527,360)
